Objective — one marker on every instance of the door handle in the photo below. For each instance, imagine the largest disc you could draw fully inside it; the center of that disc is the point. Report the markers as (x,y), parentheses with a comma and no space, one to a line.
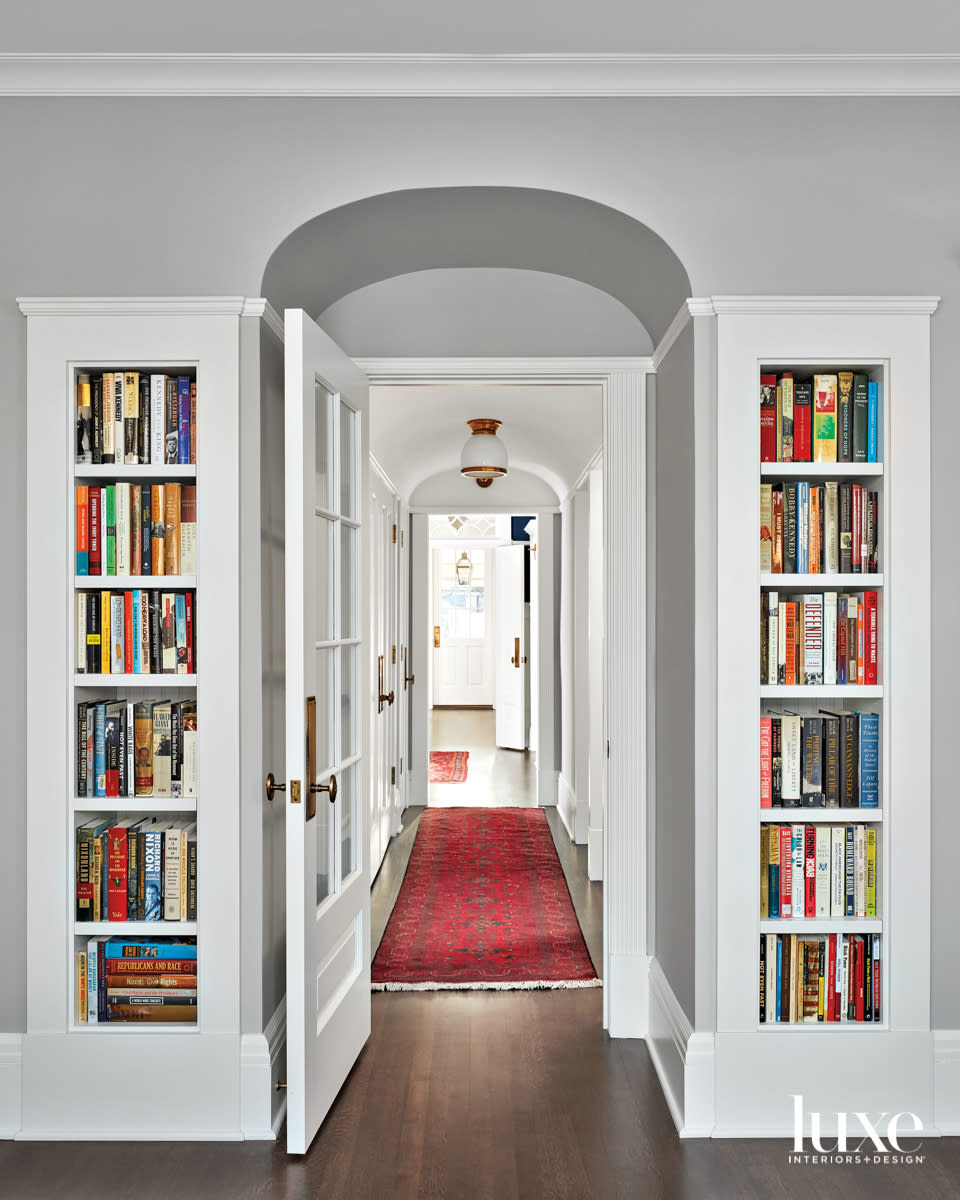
(330,786)
(406,678)
(517,660)
(382,697)
(436,636)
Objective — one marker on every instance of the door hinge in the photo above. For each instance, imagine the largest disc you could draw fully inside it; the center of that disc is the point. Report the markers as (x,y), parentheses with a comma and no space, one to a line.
(394,535)
(393,776)
(393,656)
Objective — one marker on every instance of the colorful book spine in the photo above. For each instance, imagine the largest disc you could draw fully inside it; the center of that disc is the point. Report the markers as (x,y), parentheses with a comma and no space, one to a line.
(183,419)
(873,405)
(824,418)
(869,760)
(768,418)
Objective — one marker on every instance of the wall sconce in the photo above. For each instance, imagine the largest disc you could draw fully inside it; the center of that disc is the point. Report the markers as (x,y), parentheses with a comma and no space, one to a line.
(464,569)
(484,457)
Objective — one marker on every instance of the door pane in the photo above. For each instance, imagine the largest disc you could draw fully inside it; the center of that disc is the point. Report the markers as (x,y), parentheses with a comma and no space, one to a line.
(323,487)
(349,708)
(326,709)
(323,590)
(349,782)
(349,564)
(322,832)
(348,461)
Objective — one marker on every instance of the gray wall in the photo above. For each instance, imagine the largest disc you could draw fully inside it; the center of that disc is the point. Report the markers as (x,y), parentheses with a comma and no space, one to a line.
(768,195)
(675,886)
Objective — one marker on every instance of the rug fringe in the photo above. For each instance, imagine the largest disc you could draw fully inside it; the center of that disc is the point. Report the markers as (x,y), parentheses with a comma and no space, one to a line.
(526,985)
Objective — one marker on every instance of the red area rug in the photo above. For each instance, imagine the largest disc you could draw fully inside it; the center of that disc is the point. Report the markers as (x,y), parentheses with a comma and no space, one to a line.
(448,766)
(483,904)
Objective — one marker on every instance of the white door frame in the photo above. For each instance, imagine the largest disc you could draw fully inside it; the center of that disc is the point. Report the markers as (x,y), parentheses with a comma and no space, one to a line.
(627,575)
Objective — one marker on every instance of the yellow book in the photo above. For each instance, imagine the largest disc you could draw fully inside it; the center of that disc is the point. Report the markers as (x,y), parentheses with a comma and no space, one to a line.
(131,416)
(81,987)
(105,633)
(764,875)
(871,910)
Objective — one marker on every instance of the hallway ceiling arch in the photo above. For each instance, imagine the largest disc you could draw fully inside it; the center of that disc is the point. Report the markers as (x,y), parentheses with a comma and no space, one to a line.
(400,234)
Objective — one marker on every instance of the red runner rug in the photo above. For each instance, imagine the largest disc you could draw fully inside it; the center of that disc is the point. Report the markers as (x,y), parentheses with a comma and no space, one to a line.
(448,766)
(483,904)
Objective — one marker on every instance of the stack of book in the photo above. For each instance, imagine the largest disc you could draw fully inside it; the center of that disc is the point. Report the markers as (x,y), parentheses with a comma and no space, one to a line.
(818,529)
(136,632)
(810,871)
(135,417)
(827,418)
(821,760)
(137,748)
(128,979)
(136,529)
(834,977)
(136,869)
(815,638)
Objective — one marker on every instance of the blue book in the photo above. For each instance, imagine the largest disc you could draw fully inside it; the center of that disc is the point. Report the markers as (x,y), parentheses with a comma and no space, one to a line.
(779,975)
(869,760)
(183,417)
(773,900)
(152,875)
(849,897)
(137,665)
(100,749)
(180,623)
(873,408)
(171,948)
(803,527)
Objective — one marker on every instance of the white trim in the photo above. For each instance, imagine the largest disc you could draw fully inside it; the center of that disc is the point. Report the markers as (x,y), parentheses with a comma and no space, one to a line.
(382,472)
(946,1080)
(819,305)
(595,461)
(443,510)
(262,1063)
(445,75)
(684,1060)
(125,306)
(413,371)
(674,329)
(11,1073)
(566,805)
(263,308)
(627,991)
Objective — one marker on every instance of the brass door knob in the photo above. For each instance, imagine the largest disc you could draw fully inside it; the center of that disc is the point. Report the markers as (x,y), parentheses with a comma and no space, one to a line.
(330,787)
(272,786)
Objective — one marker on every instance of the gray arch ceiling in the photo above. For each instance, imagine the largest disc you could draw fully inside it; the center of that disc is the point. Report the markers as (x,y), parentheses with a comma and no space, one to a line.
(399,233)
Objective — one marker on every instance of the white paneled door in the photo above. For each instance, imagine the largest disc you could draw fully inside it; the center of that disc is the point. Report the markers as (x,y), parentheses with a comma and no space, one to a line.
(512,654)
(463,616)
(328,875)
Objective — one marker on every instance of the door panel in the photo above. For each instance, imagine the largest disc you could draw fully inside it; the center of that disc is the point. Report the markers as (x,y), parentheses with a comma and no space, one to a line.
(328,883)
(463,662)
(512,651)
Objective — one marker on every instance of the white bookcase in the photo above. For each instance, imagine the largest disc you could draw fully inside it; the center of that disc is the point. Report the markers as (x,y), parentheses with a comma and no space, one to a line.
(142,1079)
(835,1066)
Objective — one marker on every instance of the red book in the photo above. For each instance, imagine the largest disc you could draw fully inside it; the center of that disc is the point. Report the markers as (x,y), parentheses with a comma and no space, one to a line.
(802,424)
(766,762)
(786,871)
(93,541)
(188,604)
(790,667)
(871,620)
(117,873)
(809,871)
(830,983)
(768,418)
(858,994)
(128,632)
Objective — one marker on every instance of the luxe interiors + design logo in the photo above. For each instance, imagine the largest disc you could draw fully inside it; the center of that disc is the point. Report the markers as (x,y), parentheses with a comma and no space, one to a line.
(861,1139)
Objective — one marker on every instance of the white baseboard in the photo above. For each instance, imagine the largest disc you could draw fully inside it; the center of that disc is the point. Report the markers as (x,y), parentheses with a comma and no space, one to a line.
(11,1071)
(547,788)
(567,805)
(946,1080)
(626,987)
(595,855)
(262,1106)
(684,1060)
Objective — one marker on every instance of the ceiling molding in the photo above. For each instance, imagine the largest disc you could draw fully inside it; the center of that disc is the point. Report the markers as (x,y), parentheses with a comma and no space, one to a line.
(385,372)
(195,306)
(506,75)
(265,311)
(799,305)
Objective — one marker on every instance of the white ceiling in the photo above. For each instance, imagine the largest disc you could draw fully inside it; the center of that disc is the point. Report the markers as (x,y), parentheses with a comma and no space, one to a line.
(552,432)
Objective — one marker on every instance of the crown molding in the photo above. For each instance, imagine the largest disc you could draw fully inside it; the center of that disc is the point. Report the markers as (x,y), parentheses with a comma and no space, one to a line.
(693,307)
(264,310)
(414,371)
(121,306)
(800,305)
(507,75)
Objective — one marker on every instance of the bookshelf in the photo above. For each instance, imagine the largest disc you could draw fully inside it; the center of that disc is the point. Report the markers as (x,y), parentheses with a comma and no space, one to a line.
(835,1065)
(79,1076)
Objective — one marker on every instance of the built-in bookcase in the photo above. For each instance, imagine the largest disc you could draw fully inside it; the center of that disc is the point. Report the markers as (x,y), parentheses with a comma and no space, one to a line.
(763,1060)
(185,1072)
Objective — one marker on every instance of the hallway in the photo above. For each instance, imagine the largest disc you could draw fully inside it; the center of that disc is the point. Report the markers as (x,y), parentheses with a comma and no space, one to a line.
(495,778)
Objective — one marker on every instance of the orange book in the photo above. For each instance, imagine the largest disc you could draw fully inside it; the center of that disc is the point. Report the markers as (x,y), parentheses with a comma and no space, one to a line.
(158,528)
(171,544)
(790,665)
(813,540)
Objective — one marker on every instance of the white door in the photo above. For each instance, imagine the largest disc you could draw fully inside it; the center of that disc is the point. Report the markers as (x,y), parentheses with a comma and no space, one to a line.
(462,658)
(512,650)
(384,684)
(328,881)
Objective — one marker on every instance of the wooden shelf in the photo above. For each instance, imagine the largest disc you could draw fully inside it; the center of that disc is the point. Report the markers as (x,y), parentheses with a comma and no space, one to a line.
(813,470)
(116,471)
(810,816)
(821,582)
(113,583)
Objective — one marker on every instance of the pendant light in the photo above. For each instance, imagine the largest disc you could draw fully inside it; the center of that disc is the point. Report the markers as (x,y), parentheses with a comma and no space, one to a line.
(484,457)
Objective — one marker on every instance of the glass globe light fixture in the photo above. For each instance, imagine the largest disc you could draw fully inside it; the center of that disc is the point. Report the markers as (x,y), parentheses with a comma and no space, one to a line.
(484,457)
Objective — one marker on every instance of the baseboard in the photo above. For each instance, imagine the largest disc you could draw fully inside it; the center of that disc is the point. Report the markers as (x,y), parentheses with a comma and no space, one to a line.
(684,1060)
(567,806)
(946,1080)
(595,855)
(626,987)
(547,788)
(11,1064)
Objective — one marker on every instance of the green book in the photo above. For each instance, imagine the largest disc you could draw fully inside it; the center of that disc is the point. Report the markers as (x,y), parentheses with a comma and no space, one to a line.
(111,523)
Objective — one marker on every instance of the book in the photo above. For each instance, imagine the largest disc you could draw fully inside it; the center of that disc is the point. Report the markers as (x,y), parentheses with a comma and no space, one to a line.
(802,423)
(822,888)
(84,453)
(161,749)
(183,419)
(766,762)
(869,765)
(93,534)
(812,794)
(143,748)
(766,529)
(824,418)
(158,949)
(158,528)
(131,416)
(171,420)
(171,545)
(190,770)
(785,395)
(768,418)
(193,421)
(860,417)
(174,851)
(844,416)
(157,419)
(873,404)
(790,733)
(813,638)
(188,529)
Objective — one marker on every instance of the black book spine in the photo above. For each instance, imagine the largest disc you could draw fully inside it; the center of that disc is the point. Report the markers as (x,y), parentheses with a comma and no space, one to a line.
(81,749)
(849,760)
(96,404)
(776,754)
(812,787)
(143,427)
(763,978)
(155,645)
(133,860)
(122,751)
(93,633)
(176,748)
(146,540)
(831,762)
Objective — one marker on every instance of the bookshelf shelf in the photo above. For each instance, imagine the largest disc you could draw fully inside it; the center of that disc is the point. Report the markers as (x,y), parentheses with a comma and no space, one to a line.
(813,470)
(814,926)
(820,582)
(111,471)
(133,680)
(139,804)
(165,583)
(854,692)
(810,816)
(136,929)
